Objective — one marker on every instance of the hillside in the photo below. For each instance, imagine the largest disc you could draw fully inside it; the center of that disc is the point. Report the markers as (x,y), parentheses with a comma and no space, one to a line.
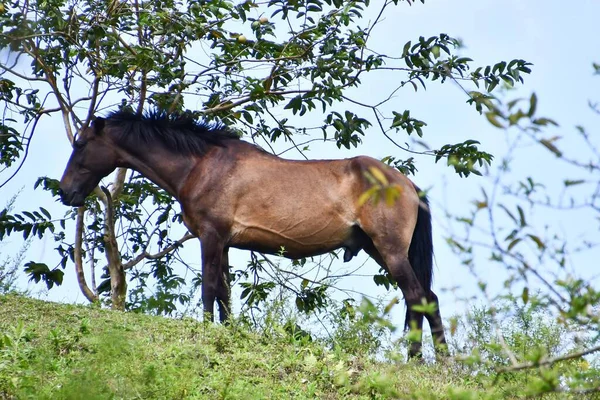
(60,351)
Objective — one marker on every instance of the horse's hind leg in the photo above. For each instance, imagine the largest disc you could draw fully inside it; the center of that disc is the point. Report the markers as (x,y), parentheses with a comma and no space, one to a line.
(436,324)
(395,261)
(413,292)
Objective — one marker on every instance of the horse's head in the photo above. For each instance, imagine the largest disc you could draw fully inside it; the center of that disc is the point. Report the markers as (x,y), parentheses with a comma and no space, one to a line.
(93,157)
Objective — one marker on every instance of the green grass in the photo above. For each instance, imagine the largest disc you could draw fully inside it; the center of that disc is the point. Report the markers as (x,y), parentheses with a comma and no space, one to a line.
(59,351)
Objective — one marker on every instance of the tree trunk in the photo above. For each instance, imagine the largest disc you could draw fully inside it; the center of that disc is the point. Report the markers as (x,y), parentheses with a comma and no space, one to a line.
(118,283)
(87,292)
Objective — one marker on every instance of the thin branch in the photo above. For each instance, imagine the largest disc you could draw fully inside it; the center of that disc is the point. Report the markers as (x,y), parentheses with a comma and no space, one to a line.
(92,106)
(548,361)
(21,76)
(224,106)
(147,256)
(119,182)
(295,146)
(282,127)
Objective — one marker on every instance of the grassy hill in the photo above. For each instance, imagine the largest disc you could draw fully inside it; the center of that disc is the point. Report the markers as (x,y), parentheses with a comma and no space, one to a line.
(60,351)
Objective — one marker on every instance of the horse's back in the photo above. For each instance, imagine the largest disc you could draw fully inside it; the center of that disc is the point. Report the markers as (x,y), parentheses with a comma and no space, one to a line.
(307,207)
(313,185)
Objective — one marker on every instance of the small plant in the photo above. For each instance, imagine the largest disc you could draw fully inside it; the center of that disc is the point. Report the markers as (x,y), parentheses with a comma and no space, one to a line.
(9,265)
(361,330)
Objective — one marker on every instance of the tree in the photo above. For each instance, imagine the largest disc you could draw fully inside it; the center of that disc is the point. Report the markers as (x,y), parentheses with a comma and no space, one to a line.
(9,266)
(513,227)
(238,62)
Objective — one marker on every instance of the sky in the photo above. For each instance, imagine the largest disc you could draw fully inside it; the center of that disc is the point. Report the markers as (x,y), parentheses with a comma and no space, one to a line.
(557,37)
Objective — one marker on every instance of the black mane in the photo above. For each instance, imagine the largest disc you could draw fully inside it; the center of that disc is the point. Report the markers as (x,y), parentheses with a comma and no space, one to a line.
(180,133)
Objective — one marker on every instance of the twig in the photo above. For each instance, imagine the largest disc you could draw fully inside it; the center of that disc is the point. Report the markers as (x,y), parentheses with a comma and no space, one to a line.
(548,361)
(147,256)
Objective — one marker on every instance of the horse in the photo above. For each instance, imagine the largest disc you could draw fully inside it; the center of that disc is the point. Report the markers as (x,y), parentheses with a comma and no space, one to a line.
(235,194)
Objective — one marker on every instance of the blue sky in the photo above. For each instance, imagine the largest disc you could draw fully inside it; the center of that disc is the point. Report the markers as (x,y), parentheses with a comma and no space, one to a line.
(557,37)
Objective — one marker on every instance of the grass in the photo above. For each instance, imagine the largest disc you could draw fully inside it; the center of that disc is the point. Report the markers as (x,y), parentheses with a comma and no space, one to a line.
(58,351)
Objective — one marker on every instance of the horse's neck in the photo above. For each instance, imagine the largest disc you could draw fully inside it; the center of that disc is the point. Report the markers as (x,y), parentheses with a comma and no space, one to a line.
(165,168)
(170,170)
(249,148)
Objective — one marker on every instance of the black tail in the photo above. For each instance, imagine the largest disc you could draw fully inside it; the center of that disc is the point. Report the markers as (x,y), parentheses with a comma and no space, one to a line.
(420,253)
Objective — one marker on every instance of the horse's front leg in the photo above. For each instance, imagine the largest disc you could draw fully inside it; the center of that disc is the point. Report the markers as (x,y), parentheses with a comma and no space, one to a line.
(212,253)
(224,288)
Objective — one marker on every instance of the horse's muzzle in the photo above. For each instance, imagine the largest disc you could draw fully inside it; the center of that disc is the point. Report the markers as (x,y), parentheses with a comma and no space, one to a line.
(73,199)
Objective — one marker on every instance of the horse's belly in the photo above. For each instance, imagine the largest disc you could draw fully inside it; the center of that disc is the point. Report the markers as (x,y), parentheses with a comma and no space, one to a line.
(294,241)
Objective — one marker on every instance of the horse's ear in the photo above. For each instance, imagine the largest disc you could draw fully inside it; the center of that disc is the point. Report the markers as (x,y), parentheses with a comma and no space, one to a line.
(98,124)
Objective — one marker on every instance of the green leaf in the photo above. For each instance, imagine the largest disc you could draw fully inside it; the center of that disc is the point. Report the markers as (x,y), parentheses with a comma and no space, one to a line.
(525,295)
(521,216)
(406,48)
(294,104)
(513,244)
(548,144)
(508,212)
(532,105)
(544,122)
(492,119)
(537,241)
(569,182)
(428,308)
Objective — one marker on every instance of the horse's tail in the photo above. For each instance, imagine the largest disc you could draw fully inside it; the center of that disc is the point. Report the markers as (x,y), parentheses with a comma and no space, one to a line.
(420,252)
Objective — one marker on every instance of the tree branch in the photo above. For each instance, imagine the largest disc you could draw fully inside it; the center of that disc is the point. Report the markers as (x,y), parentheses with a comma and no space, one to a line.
(548,361)
(147,256)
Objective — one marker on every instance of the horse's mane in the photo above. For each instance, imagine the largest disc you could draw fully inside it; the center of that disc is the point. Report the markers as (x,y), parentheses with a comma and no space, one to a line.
(180,133)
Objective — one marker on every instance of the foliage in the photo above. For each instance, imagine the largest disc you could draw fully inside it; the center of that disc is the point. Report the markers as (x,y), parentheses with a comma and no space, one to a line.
(9,265)
(497,341)
(525,330)
(263,69)
(298,57)
(8,272)
(536,258)
(64,351)
(359,330)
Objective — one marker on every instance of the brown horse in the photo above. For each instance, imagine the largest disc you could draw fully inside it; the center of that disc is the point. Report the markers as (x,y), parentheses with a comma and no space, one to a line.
(233,194)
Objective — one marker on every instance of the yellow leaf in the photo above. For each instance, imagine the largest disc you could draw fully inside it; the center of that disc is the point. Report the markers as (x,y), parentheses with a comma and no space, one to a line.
(216,34)
(367,195)
(453,325)
(391,193)
(267,83)
(378,174)
(391,305)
